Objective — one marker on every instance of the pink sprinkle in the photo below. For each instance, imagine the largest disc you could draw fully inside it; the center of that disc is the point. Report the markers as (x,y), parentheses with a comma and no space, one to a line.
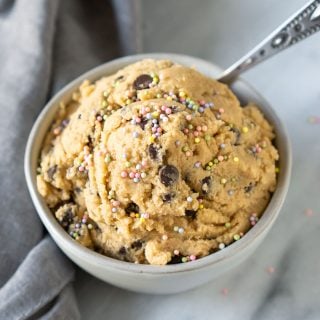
(193,257)
(131,175)
(199,128)
(144,162)
(154,129)
(270,270)
(124,174)
(176,252)
(137,175)
(186,130)
(220,158)
(202,102)
(308,212)
(99,118)
(81,168)
(221,110)
(196,133)
(56,131)
(159,129)
(116,203)
(163,108)
(225,291)
(204,128)
(168,111)
(138,120)
(188,117)
(188,153)
(147,109)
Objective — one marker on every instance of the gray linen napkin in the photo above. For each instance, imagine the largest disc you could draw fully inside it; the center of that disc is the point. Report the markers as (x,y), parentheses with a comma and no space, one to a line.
(43,45)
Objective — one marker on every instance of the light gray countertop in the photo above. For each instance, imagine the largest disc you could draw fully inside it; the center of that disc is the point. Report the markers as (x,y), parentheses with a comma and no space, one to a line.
(282,279)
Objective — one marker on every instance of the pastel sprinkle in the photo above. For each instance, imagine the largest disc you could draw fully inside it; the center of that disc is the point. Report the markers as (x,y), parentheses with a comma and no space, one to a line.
(189,199)
(308,212)
(176,252)
(181,230)
(184,259)
(176,228)
(236,159)
(236,237)
(223,181)
(124,174)
(192,257)
(225,291)
(245,129)
(197,140)
(221,245)
(270,269)
(164,237)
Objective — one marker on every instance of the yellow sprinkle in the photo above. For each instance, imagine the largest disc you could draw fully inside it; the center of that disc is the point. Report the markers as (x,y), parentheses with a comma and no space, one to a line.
(182,94)
(128,101)
(155,114)
(197,140)
(142,219)
(210,164)
(151,139)
(169,98)
(245,129)
(104,103)
(137,215)
(201,206)
(227,224)
(223,181)
(277,170)
(235,159)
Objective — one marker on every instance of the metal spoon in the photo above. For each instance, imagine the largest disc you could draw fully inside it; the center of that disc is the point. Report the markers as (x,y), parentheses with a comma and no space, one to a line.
(299,26)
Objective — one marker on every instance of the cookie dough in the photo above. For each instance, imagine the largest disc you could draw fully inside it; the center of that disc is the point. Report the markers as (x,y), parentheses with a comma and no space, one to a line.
(157,164)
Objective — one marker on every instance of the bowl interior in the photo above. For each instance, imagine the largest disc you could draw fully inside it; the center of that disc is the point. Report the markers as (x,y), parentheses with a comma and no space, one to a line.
(245,93)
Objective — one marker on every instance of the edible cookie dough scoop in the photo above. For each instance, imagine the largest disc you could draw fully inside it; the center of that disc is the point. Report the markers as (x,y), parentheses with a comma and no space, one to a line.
(299,26)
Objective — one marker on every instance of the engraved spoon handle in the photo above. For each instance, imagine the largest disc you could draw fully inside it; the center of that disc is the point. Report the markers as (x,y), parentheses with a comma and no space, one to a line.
(299,26)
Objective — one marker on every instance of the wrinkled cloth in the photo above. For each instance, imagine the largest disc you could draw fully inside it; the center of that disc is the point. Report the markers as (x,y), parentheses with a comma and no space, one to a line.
(43,45)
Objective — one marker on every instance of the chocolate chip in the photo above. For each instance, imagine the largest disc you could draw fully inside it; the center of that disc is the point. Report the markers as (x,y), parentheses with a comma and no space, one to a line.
(153,151)
(132,207)
(168,197)
(67,218)
(51,171)
(142,82)
(119,78)
(143,123)
(238,135)
(248,188)
(191,214)
(77,190)
(176,259)
(79,116)
(90,142)
(175,109)
(122,251)
(206,184)
(136,244)
(169,175)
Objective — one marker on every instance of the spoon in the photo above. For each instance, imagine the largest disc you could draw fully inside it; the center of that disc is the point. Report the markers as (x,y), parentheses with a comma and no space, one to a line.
(299,26)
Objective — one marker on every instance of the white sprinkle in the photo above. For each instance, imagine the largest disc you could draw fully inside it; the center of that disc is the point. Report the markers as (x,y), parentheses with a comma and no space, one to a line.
(221,245)
(189,199)
(181,230)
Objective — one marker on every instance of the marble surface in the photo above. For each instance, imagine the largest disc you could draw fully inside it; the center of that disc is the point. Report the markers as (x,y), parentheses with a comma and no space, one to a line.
(282,279)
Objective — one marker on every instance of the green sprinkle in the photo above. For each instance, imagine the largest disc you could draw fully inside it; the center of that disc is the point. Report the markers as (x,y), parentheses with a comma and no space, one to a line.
(184,259)
(236,237)
(227,224)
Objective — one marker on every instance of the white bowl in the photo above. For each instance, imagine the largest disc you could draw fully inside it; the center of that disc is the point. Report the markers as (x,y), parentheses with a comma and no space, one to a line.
(148,278)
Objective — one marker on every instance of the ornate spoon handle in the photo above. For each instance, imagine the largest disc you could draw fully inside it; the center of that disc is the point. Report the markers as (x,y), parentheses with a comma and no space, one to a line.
(299,26)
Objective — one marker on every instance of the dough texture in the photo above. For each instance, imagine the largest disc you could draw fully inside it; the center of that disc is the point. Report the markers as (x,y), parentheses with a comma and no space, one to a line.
(157,164)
